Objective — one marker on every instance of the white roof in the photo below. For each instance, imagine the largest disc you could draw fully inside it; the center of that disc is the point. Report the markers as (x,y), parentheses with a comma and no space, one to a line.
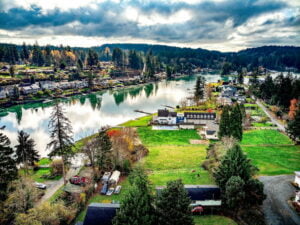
(297,173)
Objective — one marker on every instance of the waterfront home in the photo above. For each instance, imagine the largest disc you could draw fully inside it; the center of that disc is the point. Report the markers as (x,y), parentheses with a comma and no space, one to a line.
(30,89)
(3,93)
(165,117)
(47,85)
(64,85)
(199,118)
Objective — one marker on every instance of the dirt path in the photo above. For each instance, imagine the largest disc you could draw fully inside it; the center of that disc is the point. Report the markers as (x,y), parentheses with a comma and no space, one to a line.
(274,120)
(279,190)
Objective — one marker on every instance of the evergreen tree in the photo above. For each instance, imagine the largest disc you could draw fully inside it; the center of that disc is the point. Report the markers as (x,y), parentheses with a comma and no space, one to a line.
(293,127)
(136,207)
(12,70)
(234,192)
(224,128)
(48,57)
(92,58)
(134,60)
(117,57)
(37,55)
(173,205)
(169,72)
(234,163)
(25,150)
(24,53)
(104,153)
(236,122)
(199,88)
(240,77)
(61,136)
(8,168)
(150,69)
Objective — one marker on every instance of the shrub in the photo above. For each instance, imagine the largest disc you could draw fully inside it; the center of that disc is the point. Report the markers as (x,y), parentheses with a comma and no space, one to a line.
(57,167)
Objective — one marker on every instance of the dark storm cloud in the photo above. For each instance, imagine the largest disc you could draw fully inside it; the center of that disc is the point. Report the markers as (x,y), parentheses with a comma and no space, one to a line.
(208,20)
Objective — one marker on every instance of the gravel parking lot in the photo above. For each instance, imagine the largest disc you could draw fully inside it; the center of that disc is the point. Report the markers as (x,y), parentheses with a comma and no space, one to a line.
(276,209)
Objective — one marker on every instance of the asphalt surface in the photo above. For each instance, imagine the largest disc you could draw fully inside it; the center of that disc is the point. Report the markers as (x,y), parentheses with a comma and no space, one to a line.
(276,208)
(274,120)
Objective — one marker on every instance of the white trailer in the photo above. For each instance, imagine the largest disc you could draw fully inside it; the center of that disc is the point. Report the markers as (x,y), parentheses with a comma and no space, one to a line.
(114,177)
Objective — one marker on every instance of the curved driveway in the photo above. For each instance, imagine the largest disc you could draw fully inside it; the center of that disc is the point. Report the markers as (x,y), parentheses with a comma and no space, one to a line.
(276,208)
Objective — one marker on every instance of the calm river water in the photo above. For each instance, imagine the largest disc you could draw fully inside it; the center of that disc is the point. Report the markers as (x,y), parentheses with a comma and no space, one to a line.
(88,113)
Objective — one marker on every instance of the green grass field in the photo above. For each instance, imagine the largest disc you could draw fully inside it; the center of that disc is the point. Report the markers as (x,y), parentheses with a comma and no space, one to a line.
(171,156)
(213,220)
(139,122)
(275,160)
(265,137)
(151,137)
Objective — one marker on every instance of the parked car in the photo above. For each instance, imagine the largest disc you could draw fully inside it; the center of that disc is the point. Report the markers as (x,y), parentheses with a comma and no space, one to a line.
(40,185)
(118,189)
(105,177)
(110,191)
(104,189)
(78,180)
(198,210)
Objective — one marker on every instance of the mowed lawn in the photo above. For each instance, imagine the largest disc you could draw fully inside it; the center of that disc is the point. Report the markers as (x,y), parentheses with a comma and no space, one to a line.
(265,137)
(213,220)
(171,157)
(151,137)
(271,151)
(274,160)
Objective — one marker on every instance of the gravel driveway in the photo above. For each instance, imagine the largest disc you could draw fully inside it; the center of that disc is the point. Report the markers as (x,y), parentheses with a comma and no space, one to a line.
(276,209)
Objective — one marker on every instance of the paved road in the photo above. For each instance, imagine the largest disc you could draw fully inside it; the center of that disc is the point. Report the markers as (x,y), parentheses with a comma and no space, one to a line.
(276,209)
(274,120)
(53,186)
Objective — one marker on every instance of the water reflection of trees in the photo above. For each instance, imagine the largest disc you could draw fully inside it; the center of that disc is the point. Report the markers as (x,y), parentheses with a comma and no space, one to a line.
(148,89)
(95,101)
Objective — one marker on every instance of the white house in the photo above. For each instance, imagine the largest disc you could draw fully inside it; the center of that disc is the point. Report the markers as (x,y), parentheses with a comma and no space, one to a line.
(3,93)
(48,85)
(165,117)
(297,178)
(32,89)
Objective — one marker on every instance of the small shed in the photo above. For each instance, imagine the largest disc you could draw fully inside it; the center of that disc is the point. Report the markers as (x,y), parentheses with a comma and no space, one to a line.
(114,179)
(100,214)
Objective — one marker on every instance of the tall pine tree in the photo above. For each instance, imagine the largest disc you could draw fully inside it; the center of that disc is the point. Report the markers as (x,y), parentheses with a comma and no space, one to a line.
(173,205)
(136,207)
(25,150)
(236,122)
(104,152)
(224,128)
(8,168)
(61,136)
(293,127)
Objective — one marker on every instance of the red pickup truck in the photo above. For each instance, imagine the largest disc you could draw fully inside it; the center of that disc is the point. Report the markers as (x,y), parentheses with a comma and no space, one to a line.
(78,180)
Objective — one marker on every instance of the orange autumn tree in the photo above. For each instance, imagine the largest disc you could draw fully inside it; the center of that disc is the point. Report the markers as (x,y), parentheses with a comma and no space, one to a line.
(293,108)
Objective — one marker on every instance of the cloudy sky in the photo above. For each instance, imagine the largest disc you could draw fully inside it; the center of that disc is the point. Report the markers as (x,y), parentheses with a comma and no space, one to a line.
(225,25)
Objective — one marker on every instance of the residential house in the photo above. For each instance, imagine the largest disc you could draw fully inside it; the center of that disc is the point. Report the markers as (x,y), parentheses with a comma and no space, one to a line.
(165,117)
(210,131)
(30,89)
(204,195)
(48,85)
(3,92)
(199,118)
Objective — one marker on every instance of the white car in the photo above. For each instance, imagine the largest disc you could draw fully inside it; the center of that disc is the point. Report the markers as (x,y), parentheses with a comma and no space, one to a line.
(40,185)
(118,189)
(110,191)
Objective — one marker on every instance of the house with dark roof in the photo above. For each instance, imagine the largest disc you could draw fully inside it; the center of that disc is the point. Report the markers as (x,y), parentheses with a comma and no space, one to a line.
(199,118)
(100,213)
(205,195)
(165,117)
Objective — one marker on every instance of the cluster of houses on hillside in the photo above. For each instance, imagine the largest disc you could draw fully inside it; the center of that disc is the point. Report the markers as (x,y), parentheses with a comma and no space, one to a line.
(168,120)
(230,94)
(28,88)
